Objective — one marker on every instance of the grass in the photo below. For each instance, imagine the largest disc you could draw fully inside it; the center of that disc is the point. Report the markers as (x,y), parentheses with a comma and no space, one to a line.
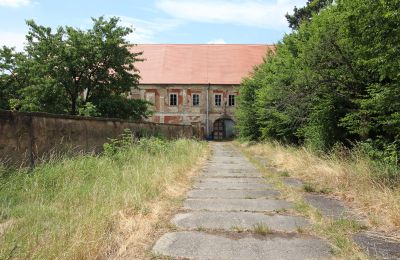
(352,179)
(285,174)
(262,229)
(94,206)
(326,190)
(200,229)
(340,231)
(302,207)
(238,229)
(309,187)
(337,232)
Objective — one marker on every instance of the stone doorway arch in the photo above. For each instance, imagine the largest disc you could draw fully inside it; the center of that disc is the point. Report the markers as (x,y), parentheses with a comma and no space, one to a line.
(223,128)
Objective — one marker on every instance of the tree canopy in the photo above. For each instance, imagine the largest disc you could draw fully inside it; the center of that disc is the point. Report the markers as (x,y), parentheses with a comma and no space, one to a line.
(334,79)
(70,70)
(304,14)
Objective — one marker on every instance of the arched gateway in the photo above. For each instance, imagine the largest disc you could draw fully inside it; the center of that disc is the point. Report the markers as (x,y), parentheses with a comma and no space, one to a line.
(223,128)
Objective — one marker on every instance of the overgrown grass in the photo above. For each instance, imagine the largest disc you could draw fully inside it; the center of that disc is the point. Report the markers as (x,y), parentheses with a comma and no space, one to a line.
(351,177)
(337,232)
(69,208)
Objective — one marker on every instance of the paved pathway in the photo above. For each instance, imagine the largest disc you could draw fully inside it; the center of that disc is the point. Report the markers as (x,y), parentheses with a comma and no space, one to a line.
(233,213)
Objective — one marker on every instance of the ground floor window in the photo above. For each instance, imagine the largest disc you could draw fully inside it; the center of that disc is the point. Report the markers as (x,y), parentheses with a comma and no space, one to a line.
(231,100)
(173,99)
(195,100)
(218,100)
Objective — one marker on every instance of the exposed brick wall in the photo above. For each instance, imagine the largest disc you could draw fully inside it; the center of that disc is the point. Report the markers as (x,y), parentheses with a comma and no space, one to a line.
(24,137)
(184,112)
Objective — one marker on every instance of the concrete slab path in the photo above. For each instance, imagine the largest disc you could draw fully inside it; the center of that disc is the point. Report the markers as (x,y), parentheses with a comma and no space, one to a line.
(232,213)
(230,221)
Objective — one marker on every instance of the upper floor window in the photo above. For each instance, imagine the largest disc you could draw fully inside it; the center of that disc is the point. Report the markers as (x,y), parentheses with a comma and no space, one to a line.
(231,100)
(218,99)
(195,100)
(173,99)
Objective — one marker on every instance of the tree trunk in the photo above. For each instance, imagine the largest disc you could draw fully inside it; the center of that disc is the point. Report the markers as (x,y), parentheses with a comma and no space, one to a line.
(73,105)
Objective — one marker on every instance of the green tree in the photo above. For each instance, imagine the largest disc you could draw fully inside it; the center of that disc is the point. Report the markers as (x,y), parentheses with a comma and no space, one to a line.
(9,85)
(281,100)
(374,35)
(247,126)
(335,78)
(120,107)
(67,68)
(304,14)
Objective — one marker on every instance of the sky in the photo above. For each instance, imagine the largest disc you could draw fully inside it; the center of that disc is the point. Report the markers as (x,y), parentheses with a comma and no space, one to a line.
(157,21)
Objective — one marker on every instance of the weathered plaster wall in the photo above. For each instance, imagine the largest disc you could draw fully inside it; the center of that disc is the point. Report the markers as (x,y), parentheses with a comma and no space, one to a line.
(24,137)
(185,112)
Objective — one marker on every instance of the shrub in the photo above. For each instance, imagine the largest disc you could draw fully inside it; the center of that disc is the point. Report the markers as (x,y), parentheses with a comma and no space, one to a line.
(114,145)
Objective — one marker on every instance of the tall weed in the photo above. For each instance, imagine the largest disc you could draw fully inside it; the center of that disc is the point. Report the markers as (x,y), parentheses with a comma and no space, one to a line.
(67,208)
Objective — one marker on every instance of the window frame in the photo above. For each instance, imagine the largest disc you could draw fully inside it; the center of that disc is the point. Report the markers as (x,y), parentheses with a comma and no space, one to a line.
(171,99)
(220,100)
(193,99)
(231,100)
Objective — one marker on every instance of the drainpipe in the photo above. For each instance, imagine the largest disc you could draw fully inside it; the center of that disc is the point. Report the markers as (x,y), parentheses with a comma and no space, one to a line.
(207,108)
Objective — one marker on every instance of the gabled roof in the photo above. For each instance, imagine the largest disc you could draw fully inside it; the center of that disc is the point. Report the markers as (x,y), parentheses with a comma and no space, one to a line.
(198,63)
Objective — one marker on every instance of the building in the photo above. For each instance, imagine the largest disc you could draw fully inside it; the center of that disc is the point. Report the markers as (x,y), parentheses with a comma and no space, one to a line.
(196,84)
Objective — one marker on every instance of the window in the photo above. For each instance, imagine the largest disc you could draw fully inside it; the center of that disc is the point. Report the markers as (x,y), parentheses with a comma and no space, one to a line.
(195,100)
(231,100)
(218,100)
(151,97)
(173,99)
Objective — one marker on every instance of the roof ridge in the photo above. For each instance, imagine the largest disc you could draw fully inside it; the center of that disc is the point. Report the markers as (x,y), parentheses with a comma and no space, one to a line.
(204,44)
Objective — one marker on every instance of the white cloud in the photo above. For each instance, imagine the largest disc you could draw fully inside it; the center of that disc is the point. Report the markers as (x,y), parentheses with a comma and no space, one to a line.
(242,12)
(146,31)
(217,41)
(14,3)
(12,39)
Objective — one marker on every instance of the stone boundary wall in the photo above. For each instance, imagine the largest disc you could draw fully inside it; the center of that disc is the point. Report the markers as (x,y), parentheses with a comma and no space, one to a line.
(26,137)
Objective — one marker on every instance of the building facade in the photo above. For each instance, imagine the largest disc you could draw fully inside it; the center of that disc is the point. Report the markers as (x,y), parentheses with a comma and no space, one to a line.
(196,84)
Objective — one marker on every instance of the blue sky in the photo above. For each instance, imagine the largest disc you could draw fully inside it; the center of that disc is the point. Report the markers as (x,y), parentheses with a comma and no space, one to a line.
(157,21)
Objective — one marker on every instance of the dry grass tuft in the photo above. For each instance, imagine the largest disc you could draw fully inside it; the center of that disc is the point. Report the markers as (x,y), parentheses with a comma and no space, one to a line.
(350,180)
(262,229)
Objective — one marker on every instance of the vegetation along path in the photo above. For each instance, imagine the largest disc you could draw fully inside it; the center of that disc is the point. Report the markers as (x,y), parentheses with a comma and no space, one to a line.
(234,213)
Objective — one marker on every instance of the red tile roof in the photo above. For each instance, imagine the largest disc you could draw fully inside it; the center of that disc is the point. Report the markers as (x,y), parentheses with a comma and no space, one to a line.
(198,63)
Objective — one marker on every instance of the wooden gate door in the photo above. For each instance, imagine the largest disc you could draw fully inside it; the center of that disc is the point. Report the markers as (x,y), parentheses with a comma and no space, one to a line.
(219,130)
